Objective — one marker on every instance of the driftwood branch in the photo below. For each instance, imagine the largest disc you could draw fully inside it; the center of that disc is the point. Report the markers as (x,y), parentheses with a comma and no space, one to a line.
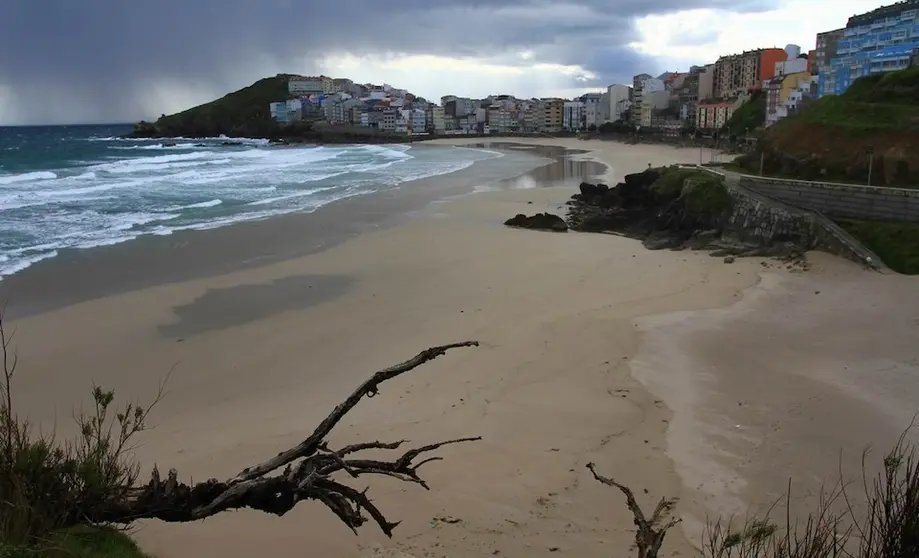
(307,474)
(650,534)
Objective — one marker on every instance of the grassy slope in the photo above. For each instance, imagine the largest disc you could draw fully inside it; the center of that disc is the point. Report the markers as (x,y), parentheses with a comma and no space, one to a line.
(882,102)
(897,244)
(832,137)
(83,542)
(749,116)
(243,112)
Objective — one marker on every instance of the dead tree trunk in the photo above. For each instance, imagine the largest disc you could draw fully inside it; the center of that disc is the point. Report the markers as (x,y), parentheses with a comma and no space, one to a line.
(307,474)
(650,534)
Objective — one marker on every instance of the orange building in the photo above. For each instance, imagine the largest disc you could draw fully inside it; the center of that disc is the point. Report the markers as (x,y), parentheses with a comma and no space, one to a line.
(739,73)
(767,64)
(812,62)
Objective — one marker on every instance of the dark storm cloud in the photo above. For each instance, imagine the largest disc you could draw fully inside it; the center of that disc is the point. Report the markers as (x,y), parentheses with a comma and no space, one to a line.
(110,59)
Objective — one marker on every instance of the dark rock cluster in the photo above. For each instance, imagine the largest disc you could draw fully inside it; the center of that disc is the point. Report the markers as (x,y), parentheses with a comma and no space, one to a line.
(539,222)
(671,208)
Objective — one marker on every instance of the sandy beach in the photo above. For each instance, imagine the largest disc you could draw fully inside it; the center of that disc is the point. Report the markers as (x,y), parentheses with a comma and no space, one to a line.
(674,372)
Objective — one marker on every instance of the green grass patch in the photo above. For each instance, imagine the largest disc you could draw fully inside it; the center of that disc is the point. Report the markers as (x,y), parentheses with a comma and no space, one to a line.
(753,160)
(896,243)
(881,102)
(749,116)
(701,194)
(706,196)
(79,542)
(895,87)
(856,116)
(670,184)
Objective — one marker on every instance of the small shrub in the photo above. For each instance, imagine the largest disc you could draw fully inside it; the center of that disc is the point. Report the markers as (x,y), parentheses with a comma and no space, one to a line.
(707,196)
(45,485)
(670,184)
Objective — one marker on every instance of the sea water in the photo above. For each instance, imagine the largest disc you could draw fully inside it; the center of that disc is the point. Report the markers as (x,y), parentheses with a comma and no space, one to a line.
(75,187)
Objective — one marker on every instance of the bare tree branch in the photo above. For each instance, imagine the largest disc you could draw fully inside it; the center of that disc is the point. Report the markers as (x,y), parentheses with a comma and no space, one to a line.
(650,534)
(308,470)
(369,388)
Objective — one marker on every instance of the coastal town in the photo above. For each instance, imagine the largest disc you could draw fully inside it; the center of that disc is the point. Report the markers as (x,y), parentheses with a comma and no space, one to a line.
(702,98)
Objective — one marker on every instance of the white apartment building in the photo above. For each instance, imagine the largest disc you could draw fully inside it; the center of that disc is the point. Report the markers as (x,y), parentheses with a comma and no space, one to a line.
(603,113)
(792,66)
(638,89)
(419,121)
(573,115)
(435,118)
(592,109)
(654,96)
(388,123)
(403,120)
(619,101)
(502,120)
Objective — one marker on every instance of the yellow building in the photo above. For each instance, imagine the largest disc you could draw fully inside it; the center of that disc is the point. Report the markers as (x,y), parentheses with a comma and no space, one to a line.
(550,115)
(780,91)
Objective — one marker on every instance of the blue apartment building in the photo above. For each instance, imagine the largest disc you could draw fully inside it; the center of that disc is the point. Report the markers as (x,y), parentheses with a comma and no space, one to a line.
(882,40)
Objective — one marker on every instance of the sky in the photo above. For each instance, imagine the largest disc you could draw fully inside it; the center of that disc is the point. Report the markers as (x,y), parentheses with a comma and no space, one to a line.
(104,61)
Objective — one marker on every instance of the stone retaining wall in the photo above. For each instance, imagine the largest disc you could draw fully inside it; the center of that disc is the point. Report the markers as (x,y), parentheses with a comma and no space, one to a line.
(840,200)
(760,219)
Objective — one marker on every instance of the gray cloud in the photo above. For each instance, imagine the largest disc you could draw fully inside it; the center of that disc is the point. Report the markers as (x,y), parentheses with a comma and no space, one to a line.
(95,60)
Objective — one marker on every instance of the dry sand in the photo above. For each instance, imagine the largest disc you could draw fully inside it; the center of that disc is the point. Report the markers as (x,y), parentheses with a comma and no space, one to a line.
(262,354)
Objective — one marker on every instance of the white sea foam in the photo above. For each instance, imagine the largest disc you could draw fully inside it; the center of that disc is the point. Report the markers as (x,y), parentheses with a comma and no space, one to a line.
(495,154)
(26,177)
(199,205)
(218,140)
(125,193)
(297,194)
(12,266)
(156,146)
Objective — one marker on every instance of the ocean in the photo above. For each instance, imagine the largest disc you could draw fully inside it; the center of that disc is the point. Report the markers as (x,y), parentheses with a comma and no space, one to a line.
(75,187)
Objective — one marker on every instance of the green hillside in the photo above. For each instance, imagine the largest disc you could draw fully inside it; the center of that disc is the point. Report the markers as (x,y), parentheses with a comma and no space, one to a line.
(242,113)
(878,102)
(749,116)
(834,138)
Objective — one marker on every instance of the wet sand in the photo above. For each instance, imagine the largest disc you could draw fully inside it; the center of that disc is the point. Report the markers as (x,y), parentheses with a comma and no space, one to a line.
(793,383)
(186,255)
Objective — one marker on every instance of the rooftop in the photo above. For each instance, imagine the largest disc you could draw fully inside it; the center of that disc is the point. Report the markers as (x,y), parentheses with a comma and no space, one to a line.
(882,12)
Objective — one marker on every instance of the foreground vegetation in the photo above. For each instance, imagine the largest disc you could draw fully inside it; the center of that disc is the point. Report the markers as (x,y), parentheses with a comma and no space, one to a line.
(748,117)
(51,493)
(79,542)
(895,242)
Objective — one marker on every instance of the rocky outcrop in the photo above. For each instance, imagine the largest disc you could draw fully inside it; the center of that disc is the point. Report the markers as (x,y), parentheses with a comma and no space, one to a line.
(539,222)
(665,208)
(675,208)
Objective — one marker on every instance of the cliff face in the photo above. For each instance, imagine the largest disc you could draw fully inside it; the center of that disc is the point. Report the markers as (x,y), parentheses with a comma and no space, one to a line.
(834,137)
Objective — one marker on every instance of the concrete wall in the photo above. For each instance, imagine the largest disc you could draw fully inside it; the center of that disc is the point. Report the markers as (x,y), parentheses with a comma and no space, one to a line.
(840,200)
(759,220)
(763,220)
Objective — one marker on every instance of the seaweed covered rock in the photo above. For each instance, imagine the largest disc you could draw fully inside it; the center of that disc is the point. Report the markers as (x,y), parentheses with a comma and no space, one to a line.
(539,222)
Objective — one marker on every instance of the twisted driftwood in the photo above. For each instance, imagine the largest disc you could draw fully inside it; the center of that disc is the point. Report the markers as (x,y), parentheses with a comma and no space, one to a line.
(650,534)
(307,474)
